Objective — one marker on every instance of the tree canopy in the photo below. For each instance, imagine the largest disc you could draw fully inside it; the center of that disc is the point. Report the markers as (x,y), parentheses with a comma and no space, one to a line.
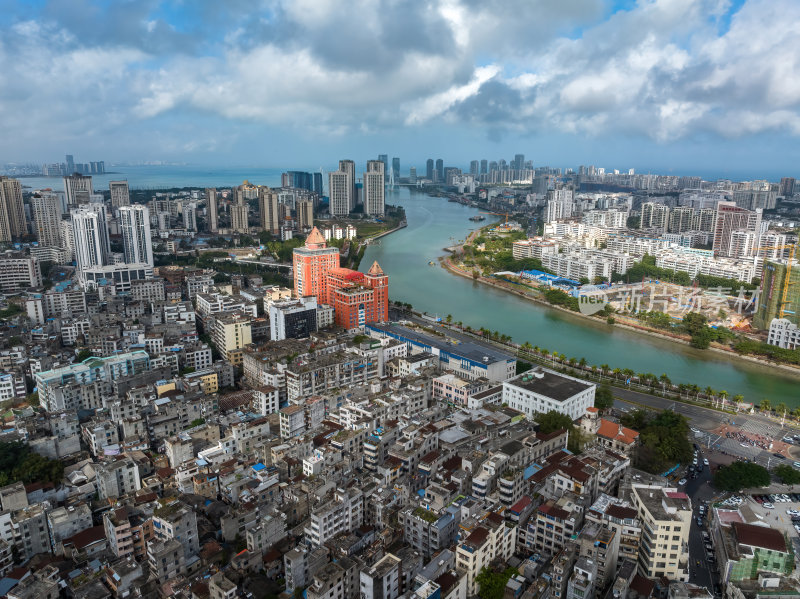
(664,439)
(493,584)
(553,421)
(19,463)
(603,397)
(787,474)
(741,475)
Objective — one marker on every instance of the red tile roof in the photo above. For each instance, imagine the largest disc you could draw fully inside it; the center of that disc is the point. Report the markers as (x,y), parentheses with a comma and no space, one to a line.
(521,504)
(616,432)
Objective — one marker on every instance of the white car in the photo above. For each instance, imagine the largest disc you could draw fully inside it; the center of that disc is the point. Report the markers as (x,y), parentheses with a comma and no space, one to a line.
(769,506)
(792,512)
(682,481)
(705,461)
(694,430)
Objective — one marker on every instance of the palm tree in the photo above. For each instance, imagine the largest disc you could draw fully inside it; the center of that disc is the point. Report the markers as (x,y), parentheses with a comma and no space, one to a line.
(723,395)
(665,382)
(545,352)
(782,409)
(449,318)
(764,406)
(738,399)
(616,372)
(796,413)
(582,362)
(603,368)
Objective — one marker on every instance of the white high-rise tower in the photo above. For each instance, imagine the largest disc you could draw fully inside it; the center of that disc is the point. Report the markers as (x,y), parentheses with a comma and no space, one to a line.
(135,225)
(90,234)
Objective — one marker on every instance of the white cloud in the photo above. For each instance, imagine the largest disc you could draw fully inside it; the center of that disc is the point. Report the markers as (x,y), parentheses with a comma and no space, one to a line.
(660,69)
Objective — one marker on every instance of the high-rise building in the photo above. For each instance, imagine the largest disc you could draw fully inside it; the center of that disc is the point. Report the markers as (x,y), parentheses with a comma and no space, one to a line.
(189,215)
(730,218)
(654,216)
(429,169)
(46,209)
(211,209)
(560,204)
(396,169)
(135,226)
(473,167)
(70,164)
(519,162)
(385,159)
(318,184)
(412,175)
(240,210)
(787,186)
(349,167)
(374,188)
(305,214)
(120,194)
(12,211)
(78,189)
(340,193)
(90,232)
(311,264)
(268,210)
(681,219)
(666,515)
(484,165)
(439,170)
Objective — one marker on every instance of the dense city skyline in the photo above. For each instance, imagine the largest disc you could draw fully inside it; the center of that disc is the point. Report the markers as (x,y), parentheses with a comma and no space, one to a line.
(660,86)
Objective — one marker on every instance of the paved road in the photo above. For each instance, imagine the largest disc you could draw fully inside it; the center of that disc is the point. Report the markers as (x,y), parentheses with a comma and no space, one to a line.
(699,490)
(707,419)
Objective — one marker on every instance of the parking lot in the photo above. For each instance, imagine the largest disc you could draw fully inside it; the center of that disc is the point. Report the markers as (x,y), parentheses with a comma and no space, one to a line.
(775,513)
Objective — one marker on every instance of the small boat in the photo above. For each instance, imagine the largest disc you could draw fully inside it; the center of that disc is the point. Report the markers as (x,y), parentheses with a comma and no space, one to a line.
(477,218)
(431,263)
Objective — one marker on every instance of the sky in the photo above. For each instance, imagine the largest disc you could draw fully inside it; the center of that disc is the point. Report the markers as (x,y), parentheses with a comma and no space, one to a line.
(682,86)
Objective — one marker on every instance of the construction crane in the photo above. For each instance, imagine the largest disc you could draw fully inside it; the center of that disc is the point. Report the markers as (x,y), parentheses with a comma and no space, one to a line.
(786,281)
(498,214)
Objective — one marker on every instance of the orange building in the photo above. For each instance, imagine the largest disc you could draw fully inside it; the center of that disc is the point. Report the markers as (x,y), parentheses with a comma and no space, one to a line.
(311,265)
(356,298)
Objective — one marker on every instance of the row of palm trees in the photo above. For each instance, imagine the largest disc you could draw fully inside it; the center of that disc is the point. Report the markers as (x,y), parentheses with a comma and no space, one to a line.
(687,391)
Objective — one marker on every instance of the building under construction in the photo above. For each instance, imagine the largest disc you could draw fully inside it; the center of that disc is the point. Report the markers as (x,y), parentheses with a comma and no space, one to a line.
(771,294)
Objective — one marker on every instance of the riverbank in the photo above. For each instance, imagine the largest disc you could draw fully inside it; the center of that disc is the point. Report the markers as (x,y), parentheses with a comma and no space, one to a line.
(448,265)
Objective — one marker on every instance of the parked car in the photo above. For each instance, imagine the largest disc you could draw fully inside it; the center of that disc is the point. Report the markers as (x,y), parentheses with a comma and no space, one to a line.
(699,522)
(682,481)
(705,461)
(769,506)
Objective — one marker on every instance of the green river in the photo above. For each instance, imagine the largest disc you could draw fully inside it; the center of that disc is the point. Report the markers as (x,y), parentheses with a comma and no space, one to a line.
(434,223)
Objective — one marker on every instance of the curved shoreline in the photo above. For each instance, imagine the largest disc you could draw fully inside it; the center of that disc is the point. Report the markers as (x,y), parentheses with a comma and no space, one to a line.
(784,368)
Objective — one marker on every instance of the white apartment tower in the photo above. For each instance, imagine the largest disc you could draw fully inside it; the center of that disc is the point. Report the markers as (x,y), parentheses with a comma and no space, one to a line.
(90,235)
(374,190)
(135,225)
(560,205)
(340,191)
(120,194)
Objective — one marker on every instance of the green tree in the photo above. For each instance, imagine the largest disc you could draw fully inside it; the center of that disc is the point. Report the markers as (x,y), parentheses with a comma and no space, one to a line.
(554,421)
(787,474)
(83,355)
(764,406)
(741,475)
(493,584)
(603,397)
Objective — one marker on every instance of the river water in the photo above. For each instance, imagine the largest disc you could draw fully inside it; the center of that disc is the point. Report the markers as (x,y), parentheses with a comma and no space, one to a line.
(434,223)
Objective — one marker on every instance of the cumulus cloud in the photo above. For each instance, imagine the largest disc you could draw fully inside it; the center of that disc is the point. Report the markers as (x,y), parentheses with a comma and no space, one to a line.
(662,69)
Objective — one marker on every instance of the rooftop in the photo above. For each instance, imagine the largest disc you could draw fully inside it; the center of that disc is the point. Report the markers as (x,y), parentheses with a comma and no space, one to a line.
(550,384)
